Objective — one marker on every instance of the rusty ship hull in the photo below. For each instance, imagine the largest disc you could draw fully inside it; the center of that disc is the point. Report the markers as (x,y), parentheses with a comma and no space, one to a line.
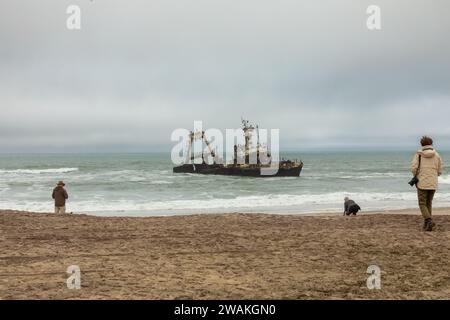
(244,171)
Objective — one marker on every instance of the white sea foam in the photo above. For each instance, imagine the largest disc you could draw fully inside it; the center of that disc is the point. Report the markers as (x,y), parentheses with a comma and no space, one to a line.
(444,179)
(161,182)
(38,171)
(271,203)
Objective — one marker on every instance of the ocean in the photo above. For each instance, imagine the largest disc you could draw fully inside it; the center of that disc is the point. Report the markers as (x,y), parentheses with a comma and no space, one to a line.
(144,185)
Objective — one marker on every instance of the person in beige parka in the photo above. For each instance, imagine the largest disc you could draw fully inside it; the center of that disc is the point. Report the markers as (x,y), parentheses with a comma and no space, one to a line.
(427,166)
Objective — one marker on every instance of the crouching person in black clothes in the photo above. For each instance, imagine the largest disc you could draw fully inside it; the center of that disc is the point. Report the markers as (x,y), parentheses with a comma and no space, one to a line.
(350,207)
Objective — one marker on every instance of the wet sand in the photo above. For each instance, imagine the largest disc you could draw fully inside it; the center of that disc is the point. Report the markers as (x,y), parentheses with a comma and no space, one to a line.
(224,256)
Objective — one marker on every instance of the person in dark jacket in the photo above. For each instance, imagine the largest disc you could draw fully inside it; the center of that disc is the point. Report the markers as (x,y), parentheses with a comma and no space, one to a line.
(60,195)
(350,207)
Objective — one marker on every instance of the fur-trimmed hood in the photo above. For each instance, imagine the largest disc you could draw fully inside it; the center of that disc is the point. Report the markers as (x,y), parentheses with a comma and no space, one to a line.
(427,152)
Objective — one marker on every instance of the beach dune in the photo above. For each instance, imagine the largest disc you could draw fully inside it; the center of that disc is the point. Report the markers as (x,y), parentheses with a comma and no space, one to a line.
(224,256)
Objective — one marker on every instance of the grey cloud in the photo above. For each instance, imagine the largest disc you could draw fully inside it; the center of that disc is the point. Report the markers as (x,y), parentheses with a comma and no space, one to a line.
(139,69)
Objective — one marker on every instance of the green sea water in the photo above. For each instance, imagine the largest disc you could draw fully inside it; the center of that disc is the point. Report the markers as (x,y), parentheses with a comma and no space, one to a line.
(144,185)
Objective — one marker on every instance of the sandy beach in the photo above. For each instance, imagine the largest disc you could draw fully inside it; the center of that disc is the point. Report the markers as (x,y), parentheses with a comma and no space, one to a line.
(224,256)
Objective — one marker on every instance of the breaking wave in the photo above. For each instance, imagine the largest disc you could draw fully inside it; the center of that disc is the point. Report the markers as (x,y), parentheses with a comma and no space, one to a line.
(330,202)
(445,179)
(39,171)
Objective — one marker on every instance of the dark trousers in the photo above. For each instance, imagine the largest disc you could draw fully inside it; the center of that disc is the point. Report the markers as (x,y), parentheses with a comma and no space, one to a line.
(425,198)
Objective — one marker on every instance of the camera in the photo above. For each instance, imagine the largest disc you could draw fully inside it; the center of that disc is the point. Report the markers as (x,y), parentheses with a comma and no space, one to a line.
(414,181)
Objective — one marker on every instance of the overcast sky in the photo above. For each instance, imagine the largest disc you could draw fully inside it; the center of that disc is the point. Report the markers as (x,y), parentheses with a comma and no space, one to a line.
(137,70)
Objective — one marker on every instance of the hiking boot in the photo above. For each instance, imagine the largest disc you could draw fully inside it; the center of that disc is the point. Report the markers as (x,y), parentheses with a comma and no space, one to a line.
(432,225)
(424,227)
(429,225)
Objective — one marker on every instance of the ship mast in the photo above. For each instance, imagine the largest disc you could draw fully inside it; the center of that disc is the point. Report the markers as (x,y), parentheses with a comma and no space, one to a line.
(194,136)
(211,151)
(247,128)
(189,154)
